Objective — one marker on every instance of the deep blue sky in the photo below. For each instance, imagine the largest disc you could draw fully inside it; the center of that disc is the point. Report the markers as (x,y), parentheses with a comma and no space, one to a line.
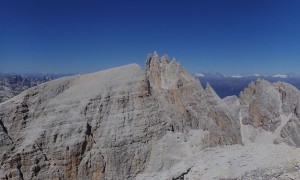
(226,36)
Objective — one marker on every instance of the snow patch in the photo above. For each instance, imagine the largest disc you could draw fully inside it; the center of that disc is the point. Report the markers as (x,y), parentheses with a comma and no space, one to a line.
(280,76)
(199,75)
(236,76)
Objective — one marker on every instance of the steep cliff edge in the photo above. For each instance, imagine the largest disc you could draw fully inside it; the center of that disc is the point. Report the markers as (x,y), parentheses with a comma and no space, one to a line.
(186,105)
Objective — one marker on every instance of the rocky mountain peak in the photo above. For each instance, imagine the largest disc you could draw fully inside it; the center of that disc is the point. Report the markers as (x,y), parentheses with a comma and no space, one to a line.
(270,111)
(165,59)
(165,74)
(157,123)
(210,93)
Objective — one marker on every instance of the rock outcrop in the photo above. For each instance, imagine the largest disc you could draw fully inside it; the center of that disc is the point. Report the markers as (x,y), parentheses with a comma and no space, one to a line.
(186,105)
(268,120)
(127,123)
(270,113)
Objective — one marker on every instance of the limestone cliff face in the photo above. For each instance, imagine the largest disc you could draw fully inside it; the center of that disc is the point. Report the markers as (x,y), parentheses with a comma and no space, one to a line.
(270,113)
(157,123)
(105,125)
(187,105)
(93,126)
(266,118)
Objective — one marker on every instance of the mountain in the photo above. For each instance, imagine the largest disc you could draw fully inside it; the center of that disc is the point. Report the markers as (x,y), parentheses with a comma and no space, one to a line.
(226,85)
(13,84)
(156,123)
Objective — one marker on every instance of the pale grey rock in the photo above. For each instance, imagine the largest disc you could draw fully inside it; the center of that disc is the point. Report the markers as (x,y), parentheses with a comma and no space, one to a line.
(286,173)
(174,147)
(248,162)
(270,113)
(258,158)
(157,123)
(108,125)
(187,105)
(261,104)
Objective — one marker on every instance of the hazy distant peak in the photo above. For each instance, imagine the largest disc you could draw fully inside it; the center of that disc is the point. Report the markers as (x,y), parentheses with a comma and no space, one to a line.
(280,76)
(199,75)
(237,76)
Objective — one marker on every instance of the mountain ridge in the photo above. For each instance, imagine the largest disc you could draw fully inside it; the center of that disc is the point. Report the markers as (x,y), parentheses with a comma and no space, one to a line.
(129,123)
(232,85)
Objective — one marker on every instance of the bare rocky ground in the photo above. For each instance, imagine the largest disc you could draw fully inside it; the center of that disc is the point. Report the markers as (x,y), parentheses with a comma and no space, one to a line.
(157,123)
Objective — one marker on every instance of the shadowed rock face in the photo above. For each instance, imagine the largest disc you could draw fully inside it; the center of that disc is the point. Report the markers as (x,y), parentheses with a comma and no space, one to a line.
(103,125)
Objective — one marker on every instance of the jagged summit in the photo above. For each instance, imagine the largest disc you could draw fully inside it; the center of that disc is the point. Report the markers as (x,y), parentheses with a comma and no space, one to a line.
(210,91)
(157,123)
(165,74)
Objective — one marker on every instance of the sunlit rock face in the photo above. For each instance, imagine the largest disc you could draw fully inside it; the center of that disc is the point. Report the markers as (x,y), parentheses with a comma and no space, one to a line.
(270,113)
(156,123)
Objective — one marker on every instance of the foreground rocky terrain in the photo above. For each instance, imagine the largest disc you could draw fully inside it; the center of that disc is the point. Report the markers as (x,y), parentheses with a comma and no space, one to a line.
(157,123)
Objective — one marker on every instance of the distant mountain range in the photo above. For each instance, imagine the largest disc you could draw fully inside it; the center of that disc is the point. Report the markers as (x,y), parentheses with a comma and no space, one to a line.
(35,75)
(227,85)
(13,84)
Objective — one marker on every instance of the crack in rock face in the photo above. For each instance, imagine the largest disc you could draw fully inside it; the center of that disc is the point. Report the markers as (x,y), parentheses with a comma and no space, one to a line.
(181,177)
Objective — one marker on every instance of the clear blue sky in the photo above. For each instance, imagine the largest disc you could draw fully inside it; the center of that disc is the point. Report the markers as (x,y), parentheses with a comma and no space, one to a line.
(226,36)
